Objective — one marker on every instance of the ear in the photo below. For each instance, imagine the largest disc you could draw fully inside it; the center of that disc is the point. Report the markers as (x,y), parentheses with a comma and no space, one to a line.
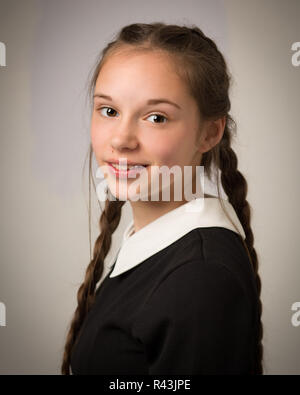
(211,134)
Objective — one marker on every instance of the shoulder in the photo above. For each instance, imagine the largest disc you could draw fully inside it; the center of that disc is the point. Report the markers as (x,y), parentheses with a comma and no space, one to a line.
(208,249)
(208,262)
(197,282)
(197,297)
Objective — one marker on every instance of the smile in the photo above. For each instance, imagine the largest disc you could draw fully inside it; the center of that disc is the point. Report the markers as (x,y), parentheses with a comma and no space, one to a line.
(122,171)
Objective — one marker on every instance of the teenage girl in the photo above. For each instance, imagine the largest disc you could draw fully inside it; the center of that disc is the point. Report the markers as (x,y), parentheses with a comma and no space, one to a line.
(183,293)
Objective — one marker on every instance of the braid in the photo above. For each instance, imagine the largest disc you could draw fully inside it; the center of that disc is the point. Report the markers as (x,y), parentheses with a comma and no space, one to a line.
(235,187)
(108,223)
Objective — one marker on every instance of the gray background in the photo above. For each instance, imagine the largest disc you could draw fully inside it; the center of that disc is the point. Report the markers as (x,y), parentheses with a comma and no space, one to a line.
(44,131)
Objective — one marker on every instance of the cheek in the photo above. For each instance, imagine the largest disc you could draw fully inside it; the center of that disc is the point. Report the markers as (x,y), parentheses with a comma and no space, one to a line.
(171,150)
(95,135)
(97,144)
(98,138)
(161,151)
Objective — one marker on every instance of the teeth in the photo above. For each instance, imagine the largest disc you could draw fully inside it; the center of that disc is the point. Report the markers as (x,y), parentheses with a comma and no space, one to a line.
(122,167)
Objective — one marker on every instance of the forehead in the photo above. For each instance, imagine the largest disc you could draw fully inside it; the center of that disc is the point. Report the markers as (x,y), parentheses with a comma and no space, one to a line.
(132,56)
(142,73)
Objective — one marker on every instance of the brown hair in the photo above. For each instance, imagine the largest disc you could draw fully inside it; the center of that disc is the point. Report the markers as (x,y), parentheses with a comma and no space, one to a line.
(200,63)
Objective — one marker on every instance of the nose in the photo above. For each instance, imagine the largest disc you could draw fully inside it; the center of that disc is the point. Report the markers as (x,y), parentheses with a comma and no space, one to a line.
(124,136)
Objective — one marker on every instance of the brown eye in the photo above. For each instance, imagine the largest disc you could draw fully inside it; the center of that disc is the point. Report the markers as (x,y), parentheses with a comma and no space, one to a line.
(159,117)
(108,110)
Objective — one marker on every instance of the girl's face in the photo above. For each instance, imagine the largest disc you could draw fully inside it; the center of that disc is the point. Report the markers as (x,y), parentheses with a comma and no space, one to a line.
(132,119)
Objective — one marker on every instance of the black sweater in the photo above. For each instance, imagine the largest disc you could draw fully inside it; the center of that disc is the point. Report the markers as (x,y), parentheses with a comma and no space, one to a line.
(190,308)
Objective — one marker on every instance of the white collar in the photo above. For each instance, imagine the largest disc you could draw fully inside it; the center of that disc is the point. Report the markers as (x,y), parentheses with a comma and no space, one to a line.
(160,233)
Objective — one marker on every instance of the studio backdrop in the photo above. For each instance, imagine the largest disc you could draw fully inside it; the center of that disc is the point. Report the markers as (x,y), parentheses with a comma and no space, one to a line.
(47,51)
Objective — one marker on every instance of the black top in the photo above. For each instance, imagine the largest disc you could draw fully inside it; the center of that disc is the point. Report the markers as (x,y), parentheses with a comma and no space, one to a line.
(191,308)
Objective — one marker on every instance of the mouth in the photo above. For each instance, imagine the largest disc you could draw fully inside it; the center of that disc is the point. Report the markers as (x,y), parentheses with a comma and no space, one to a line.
(129,171)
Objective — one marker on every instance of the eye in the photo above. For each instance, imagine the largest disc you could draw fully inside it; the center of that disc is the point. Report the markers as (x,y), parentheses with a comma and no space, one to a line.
(159,116)
(111,111)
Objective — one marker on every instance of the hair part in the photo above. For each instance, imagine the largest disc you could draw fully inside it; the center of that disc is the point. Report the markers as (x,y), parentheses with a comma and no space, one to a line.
(201,65)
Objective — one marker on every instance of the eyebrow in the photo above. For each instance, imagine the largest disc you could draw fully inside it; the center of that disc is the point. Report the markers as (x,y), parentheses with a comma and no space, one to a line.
(150,101)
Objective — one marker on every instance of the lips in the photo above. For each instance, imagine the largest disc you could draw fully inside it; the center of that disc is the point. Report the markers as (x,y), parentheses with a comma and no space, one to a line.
(122,167)
(125,161)
(126,173)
